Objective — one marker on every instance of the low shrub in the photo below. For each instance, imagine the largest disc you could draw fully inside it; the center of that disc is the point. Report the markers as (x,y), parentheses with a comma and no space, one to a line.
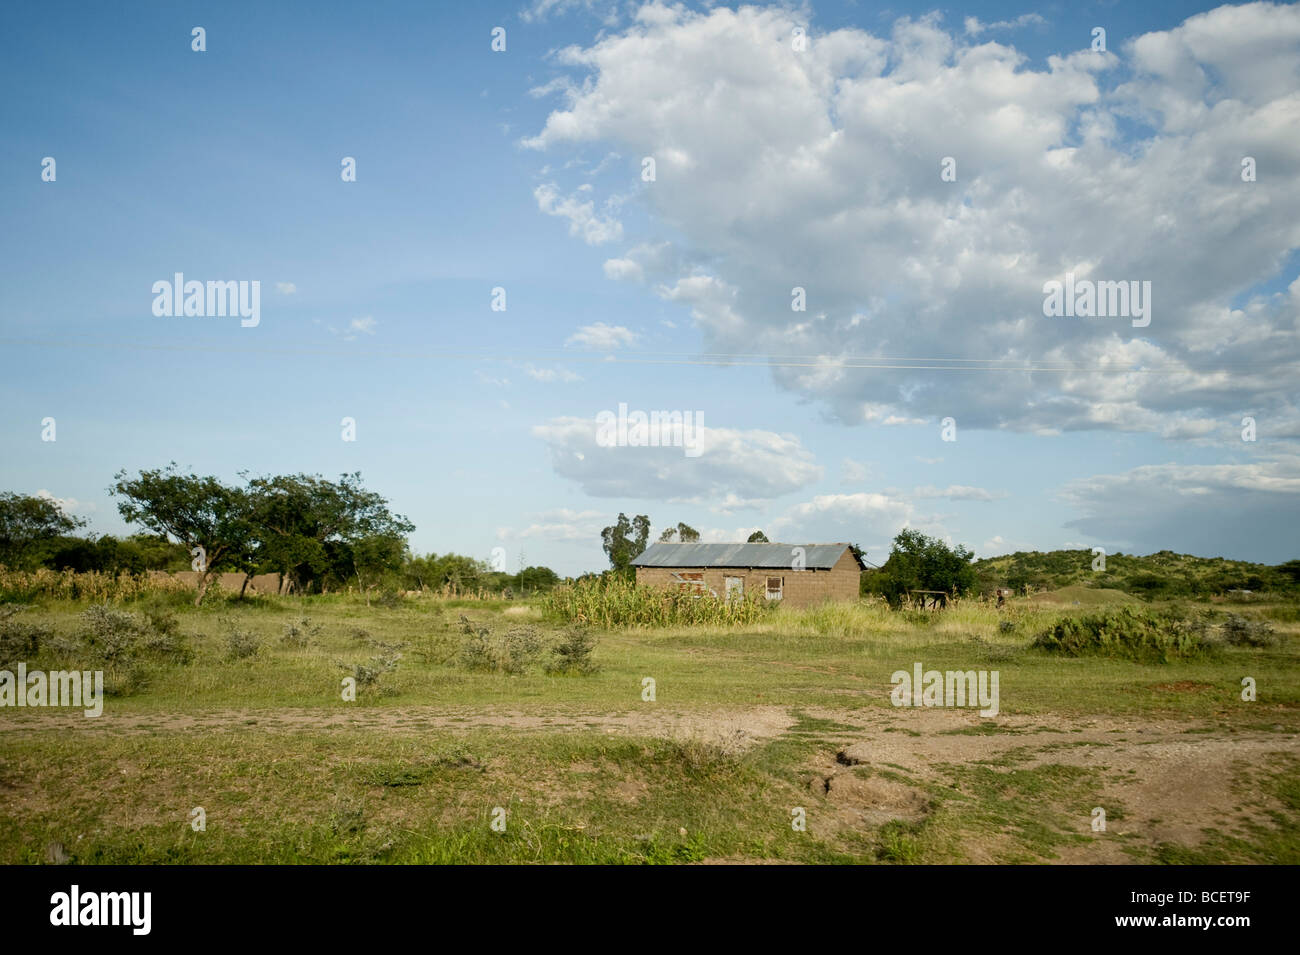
(518,650)
(20,639)
(1238,631)
(573,653)
(1145,636)
(241,644)
(300,633)
(367,675)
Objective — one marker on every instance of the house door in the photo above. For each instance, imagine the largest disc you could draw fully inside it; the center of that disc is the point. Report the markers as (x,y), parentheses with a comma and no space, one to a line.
(735,588)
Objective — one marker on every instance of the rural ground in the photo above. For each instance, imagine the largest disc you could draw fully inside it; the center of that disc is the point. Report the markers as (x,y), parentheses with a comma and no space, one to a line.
(749,726)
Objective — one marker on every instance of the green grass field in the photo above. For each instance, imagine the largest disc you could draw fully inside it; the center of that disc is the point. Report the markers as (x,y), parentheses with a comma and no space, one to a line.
(751,730)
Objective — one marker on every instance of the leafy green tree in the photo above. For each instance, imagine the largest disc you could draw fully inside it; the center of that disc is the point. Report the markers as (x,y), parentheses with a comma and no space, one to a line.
(758,537)
(28,524)
(1291,569)
(198,512)
(111,555)
(434,571)
(625,540)
(918,562)
(534,579)
(682,533)
(311,529)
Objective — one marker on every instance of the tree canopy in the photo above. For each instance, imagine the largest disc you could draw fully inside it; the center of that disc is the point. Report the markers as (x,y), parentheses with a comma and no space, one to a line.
(625,540)
(682,534)
(28,524)
(918,562)
(302,526)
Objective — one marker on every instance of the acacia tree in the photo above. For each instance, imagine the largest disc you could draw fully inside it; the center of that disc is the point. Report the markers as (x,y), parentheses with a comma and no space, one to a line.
(27,524)
(308,527)
(624,540)
(210,518)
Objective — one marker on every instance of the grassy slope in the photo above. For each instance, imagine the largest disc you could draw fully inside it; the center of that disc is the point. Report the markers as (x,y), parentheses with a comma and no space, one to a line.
(1161,572)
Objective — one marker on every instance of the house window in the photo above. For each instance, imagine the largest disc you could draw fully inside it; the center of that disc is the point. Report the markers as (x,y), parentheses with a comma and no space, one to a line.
(735,588)
(775,588)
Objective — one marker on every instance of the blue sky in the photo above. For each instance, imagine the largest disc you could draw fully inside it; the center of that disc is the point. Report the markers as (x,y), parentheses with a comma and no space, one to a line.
(776,168)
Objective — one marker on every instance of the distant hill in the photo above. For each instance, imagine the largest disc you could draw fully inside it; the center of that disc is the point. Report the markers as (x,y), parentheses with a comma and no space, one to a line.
(1163,574)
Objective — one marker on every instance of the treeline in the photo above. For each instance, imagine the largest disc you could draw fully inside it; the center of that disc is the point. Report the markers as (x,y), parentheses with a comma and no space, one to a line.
(318,534)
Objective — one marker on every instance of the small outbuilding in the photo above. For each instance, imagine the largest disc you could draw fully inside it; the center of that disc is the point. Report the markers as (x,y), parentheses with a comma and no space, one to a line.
(798,574)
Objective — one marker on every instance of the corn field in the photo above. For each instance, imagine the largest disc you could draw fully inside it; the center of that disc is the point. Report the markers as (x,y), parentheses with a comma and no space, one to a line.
(23,585)
(621,603)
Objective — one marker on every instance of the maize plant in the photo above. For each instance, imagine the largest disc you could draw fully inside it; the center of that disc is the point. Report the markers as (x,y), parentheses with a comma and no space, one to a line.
(24,585)
(616,603)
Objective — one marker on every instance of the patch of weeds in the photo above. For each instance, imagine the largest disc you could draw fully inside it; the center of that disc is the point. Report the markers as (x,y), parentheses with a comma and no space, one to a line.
(516,651)
(457,757)
(897,843)
(1143,636)
(301,633)
(397,775)
(19,638)
(347,815)
(657,852)
(241,644)
(1237,631)
(367,675)
(983,728)
(573,653)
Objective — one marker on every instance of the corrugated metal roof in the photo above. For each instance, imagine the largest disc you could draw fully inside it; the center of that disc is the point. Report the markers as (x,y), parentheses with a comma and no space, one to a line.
(772,556)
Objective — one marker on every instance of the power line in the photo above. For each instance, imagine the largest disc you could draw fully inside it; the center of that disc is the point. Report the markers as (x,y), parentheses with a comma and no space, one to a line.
(717,359)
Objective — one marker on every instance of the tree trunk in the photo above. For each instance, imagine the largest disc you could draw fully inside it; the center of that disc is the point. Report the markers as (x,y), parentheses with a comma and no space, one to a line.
(244,586)
(203,586)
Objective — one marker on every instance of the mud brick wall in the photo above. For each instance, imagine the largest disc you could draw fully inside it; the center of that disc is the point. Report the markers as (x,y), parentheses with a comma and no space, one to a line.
(802,588)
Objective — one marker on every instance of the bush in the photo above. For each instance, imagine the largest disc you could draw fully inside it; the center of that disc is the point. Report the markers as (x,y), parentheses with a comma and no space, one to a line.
(1141,635)
(573,653)
(518,650)
(300,633)
(118,639)
(241,644)
(1240,632)
(114,636)
(20,639)
(367,675)
(476,652)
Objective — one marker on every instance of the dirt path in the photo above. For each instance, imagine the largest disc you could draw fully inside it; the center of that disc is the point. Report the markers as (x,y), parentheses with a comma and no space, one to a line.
(1174,779)
(747,725)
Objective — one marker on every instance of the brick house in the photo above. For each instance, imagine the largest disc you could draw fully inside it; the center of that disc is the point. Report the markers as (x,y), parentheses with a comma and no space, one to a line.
(798,574)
